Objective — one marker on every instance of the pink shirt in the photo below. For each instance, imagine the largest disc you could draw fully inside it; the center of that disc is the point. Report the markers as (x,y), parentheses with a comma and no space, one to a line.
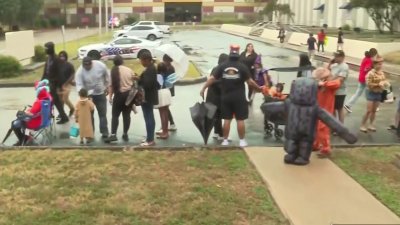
(365,67)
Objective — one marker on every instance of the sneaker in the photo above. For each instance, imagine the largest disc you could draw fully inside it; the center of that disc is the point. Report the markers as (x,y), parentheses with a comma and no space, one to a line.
(159,132)
(63,121)
(392,127)
(372,128)
(71,112)
(363,129)
(125,137)
(172,127)
(220,138)
(323,154)
(377,110)
(110,139)
(347,108)
(104,137)
(225,143)
(243,143)
(89,140)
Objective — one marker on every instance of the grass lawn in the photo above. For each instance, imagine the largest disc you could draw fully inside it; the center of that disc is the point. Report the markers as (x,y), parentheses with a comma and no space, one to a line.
(373,168)
(101,187)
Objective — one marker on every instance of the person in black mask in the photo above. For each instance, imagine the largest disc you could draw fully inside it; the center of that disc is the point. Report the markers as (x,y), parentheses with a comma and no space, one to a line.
(52,73)
(233,75)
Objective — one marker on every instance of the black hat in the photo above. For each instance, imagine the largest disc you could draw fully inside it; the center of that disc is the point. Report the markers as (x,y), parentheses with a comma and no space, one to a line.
(49,45)
(87,61)
(339,53)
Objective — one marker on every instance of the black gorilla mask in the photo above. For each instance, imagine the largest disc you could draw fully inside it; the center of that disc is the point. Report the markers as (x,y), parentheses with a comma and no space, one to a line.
(49,46)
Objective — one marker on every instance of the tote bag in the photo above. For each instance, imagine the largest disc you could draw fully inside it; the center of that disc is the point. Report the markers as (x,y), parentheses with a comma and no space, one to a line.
(164,98)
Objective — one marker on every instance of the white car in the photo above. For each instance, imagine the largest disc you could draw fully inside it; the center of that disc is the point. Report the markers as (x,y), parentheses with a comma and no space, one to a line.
(126,46)
(147,32)
(162,26)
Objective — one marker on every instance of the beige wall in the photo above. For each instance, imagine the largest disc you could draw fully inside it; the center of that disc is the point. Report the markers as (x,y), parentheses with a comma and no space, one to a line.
(21,45)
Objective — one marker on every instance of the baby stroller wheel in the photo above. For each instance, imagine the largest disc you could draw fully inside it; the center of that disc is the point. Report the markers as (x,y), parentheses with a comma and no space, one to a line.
(278,133)
(267,135)
(269,127)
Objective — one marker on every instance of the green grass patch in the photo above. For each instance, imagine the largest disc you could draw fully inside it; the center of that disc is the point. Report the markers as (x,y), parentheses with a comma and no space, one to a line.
(101,187)
(373,168)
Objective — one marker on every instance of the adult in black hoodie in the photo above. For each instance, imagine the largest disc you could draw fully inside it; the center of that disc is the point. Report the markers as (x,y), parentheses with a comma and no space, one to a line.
(148,80)
(53,74)
(248,57)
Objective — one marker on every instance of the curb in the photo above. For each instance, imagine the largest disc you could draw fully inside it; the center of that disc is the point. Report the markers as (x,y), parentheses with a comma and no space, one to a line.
(322,58)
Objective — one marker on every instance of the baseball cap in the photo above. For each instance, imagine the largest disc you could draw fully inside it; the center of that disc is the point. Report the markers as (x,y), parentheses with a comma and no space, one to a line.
(87,61)
(235,48)
(339,53)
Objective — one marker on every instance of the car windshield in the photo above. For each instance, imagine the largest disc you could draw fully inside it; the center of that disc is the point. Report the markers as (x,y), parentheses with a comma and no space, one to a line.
(133,24)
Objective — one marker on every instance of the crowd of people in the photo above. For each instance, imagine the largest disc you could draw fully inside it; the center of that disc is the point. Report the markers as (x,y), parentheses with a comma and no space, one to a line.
(225,89)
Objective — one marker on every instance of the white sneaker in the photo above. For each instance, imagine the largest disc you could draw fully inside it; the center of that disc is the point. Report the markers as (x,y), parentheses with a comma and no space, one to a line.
(243,143)
(225,143)
(172,127)
(377,110)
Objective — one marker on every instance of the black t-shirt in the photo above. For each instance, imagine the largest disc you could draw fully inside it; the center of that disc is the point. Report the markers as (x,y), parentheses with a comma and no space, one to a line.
(67,70)
(311,43)
(340,37)
(233,75)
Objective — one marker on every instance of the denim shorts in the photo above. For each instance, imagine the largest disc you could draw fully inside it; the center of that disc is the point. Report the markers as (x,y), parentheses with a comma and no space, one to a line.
(373,96)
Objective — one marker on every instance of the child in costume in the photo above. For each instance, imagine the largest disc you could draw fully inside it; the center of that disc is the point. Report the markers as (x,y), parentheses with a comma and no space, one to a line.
(261,76)
(327,87)
(83,116)
(275,91)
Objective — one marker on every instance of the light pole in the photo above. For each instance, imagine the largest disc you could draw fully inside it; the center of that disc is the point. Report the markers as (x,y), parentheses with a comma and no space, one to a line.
(100,17)
(112,14)
(106,9)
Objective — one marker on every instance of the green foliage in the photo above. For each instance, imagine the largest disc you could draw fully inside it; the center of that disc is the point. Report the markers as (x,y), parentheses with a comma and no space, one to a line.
(9,67)
(42,23)
(40,54)
(9,10)
(346,27)
(130,20)
(56,22)
(27,15)
(277,9)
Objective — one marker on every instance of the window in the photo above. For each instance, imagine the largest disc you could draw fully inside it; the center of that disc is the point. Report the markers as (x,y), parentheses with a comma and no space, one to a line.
(134,41)
(122,41)
(142,28)
(145,23)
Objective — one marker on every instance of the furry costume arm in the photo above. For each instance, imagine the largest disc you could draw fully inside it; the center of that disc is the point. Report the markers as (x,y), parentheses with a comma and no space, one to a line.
(273,107)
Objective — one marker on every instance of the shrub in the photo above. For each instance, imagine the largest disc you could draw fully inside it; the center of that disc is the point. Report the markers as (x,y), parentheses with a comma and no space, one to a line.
(40,54)
(56,22)
(357,29)
(346,27)
(129,20)
(9,67)
(42,23)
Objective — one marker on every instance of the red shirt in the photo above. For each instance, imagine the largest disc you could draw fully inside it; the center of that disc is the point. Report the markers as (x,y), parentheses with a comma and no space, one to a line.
(36,121)
(365,67)
(321,36)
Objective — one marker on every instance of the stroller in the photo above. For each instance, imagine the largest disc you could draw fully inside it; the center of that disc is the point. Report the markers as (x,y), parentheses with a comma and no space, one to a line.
(272,122)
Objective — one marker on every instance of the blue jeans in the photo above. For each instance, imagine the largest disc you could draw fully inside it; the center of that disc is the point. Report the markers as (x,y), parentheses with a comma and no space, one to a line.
(100,101)
(359,93)
(148,114)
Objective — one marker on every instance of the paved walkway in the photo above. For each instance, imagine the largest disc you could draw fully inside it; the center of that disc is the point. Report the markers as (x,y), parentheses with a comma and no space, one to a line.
(389,68)
(318,194)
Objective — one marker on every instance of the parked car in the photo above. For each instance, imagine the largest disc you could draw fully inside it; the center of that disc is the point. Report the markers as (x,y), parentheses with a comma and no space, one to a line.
(163,27)
(127,46)
(147,32)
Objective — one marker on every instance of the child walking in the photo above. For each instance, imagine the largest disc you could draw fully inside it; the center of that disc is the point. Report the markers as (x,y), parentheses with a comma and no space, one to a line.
(83,115)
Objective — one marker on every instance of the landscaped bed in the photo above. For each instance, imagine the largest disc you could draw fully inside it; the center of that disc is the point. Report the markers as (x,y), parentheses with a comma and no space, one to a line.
(374,169)
(102,187)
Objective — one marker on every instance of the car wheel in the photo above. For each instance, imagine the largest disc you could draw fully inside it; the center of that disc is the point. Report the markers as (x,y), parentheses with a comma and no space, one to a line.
(151,37)
(94,55)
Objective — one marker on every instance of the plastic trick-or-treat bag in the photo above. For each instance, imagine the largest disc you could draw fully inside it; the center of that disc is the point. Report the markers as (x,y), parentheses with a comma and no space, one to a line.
(74,131)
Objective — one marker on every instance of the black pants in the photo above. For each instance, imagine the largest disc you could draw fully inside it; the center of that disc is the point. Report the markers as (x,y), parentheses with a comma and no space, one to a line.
(218,124)
(119,107)
(170,118)
(58,103)
(321,44)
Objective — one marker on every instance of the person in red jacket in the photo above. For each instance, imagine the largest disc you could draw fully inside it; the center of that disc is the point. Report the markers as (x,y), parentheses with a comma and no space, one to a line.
(321,39)
(365,67)
(32,118)
(327,87)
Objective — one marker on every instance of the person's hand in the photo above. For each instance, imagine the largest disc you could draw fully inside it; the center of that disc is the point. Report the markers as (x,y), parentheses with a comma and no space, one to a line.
(321,83)
(202,93)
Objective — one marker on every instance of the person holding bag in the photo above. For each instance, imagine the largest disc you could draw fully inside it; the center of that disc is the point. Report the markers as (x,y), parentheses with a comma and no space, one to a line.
(148,81)
(376,84)
(164,101)
(122,80)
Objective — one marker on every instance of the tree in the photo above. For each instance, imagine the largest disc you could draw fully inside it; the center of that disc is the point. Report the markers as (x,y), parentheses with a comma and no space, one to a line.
(8,11)
(273,8)
(28,15)
(383,12)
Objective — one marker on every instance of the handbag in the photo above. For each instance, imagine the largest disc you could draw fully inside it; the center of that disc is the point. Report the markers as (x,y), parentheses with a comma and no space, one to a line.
(135,96)
(74,131)
(164,98)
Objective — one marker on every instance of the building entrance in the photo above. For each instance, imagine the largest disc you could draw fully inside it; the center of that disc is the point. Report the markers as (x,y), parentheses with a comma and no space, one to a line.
(183,12)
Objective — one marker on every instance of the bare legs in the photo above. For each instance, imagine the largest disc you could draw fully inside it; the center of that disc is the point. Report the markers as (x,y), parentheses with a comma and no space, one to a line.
(241,128)
(370,114)
(164,122)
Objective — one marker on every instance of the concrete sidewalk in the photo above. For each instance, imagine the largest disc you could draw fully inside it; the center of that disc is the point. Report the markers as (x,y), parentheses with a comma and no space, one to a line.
(318,194)
(354,63)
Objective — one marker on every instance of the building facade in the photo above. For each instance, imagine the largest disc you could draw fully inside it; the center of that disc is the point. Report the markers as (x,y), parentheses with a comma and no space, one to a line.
(77,11)
(334,13)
